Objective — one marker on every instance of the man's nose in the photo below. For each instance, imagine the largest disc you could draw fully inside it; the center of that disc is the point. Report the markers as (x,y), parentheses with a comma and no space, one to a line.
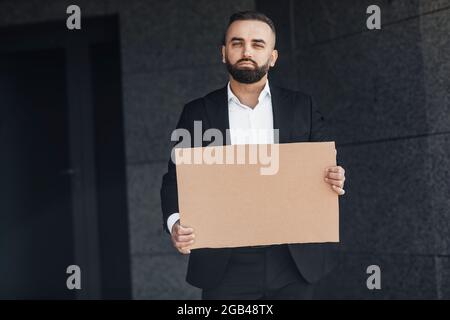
(247,53)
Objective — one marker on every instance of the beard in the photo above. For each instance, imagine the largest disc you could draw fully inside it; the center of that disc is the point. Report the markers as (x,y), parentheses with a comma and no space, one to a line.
(245,75)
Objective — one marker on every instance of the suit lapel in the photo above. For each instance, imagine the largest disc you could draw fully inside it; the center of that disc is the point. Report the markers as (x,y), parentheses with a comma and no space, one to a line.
(216,105)
(282,115)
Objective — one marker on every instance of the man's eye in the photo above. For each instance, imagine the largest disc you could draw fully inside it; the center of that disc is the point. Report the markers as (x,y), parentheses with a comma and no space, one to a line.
(258,45)
(235,44)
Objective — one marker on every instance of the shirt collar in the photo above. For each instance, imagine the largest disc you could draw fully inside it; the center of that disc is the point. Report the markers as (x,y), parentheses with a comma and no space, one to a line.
(264,92)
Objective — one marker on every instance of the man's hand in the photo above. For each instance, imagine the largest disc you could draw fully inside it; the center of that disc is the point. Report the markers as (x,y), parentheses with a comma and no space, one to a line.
(335,176)
(182,238)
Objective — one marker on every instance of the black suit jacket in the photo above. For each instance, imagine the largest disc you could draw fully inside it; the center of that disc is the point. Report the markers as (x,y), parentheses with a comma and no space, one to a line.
(297,119)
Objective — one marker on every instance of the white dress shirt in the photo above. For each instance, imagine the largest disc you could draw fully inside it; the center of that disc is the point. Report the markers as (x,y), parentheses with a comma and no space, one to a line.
(247,125)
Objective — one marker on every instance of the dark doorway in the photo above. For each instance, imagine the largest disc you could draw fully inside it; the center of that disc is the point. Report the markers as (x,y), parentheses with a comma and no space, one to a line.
(62,164)
(36,229)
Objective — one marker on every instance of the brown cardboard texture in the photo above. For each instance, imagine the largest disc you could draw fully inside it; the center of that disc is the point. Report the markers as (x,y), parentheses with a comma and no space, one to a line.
(234,204)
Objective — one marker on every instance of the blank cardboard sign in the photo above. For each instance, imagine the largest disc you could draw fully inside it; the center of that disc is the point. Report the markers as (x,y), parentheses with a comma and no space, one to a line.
(233,196)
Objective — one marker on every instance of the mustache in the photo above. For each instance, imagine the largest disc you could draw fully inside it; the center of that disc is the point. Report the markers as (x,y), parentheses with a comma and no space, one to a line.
(247,60)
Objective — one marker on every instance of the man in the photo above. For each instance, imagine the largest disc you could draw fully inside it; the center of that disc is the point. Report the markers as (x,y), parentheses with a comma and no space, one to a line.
(249,101)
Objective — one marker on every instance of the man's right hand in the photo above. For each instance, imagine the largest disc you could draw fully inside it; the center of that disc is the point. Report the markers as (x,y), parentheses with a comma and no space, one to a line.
(182,237)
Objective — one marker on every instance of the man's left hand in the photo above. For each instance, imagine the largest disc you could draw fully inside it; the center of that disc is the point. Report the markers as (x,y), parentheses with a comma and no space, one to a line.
(335,176)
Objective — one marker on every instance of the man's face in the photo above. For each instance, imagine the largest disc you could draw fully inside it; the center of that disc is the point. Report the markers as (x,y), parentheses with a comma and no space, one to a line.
(249,50)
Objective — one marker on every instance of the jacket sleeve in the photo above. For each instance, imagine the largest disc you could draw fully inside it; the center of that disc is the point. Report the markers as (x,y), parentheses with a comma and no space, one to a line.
(169,191)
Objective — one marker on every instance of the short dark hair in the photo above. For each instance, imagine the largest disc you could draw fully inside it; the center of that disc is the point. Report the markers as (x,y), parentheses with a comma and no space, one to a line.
(249,15)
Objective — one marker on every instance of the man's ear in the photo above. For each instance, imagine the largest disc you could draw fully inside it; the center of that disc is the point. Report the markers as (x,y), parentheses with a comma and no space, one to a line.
(223,53)
(274,57)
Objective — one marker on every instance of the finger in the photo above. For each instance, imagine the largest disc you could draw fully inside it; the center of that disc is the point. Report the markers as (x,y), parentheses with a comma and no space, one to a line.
(334,181)
(335,175)
(185,230)
(338,183)
(176,240)
(338,190)
(181,238)
(185,251)
(328,179)
(181,245)
(335,169)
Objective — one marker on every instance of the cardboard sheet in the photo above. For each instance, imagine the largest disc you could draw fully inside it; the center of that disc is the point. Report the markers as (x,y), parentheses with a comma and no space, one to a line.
(234,205)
